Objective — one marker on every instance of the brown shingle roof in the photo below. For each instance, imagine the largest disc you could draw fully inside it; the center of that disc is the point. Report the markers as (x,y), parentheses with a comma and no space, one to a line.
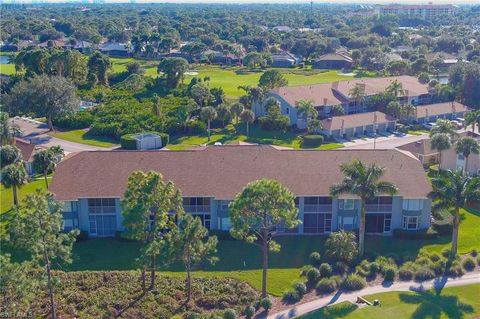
(355,120)
(422,147)
(374,86)
(334,57)
(319,92)
(223,171)
(26,148)
(439,109)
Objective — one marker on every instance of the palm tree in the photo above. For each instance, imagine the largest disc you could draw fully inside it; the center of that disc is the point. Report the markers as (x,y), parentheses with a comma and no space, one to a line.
(306,109)
(223,112)
(467,145)
(247,116)
(473,118)
(14,176)
(208,114)
(440,142)
(395,88)
(46,161)
(363,181)
(357,94)
(451,191)
(407,110)
(444,126)
(236,109)
(156,105)
(8,129)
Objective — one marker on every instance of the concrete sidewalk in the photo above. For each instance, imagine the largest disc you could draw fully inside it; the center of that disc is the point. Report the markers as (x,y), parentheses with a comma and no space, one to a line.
(340,296)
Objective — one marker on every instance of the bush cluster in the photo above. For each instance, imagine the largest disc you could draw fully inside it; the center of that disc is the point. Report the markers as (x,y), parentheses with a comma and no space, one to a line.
(354,282)
(312,140)
(315,259)
(468,264)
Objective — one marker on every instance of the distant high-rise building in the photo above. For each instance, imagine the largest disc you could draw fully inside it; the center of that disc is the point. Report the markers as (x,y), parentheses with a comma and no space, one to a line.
(424,10)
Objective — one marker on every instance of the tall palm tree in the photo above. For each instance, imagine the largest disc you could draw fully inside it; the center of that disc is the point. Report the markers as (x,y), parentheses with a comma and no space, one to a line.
(395,88)
(208,114)
(363,181)
(46,161)
(223,112)
(446,127)
(306,109)
(440,142)
(14,176)
(451,191)
(467,145)
(357,95)
(407,110)
(473,118)
(8,129)
(236,109)
(247,116)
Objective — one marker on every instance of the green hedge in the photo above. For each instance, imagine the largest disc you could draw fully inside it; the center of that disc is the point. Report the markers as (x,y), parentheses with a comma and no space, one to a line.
(312,140)
(128,141)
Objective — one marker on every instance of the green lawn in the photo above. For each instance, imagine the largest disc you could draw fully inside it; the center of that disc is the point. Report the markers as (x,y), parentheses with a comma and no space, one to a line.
(6,196)
(257,135)
(418,132)
(229,78)
(449,303)
(83,137)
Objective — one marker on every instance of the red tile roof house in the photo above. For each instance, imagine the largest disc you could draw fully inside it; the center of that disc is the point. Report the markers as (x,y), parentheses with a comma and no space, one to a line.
(326,95)
(92,184)
(353,125)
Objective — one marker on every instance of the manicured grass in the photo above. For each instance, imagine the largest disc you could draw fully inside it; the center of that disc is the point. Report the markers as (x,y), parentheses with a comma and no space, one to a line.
(451,302)
(229,78)
(257,135)
(418,132)
(7,69)
(83,137)
(6,196)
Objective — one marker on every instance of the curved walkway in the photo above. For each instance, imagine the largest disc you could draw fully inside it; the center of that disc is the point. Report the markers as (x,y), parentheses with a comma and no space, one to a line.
(340,296)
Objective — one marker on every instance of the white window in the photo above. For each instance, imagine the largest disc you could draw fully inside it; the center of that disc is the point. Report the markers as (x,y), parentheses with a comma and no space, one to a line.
(412,204)
(347,204)
(410,223)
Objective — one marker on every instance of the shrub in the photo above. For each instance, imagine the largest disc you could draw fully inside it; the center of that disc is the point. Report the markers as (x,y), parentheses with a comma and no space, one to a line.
(326,286)
(312,140)
(353,282)
(77,120)
(439,266)
(474,253)
(455,270)
(305,269)
(373,268)
(384,261)
(434,257)
(300,288)
(446,252)
(325,270)
(478,260)
(196,127)
(291,296)
(342,245)
(313,275)
(423,274)
(389,273)
(266,304)
(340,267)
(468,264)
(405,273)
(315,259)
(249,312)
(229,314)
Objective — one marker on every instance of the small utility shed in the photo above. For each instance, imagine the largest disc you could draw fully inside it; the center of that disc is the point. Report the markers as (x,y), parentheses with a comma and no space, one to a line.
(148,141)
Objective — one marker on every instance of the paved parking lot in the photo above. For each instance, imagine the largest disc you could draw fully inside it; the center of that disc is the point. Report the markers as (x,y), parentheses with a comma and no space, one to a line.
(383,142)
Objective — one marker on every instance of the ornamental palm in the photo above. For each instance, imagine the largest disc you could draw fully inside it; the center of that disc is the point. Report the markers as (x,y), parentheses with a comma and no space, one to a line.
(305,108)
(14,176)
(247,117)
(467,145)
(208,114)
(444,126)
(451,191)
(408,110)
(395,88)
(363,181)
(440,142)
(473,118)
(357,94)
(8,129)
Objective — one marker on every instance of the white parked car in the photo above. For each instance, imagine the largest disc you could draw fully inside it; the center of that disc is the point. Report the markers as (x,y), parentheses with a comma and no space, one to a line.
(430,125)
